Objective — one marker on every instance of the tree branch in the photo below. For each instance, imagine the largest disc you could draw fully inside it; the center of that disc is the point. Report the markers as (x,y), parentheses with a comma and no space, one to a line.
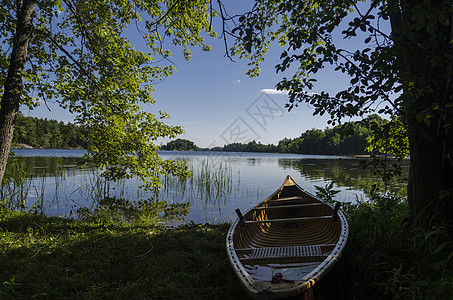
(166,14)
(360,72)
(224,30)
(82,68)
(363,17)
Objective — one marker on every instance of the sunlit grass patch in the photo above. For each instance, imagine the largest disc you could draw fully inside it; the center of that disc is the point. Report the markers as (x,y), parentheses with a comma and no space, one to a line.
(61,258)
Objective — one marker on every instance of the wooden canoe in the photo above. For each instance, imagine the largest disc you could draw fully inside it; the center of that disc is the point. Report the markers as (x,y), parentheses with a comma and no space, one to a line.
(287,243)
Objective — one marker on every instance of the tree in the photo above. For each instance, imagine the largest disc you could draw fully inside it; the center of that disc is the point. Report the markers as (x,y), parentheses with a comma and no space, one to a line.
(403,68)
(47,133)
(312,141)
(76,52)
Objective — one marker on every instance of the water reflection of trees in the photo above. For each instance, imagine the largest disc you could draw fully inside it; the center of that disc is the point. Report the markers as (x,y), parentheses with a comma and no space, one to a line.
(45,166)
(345,173)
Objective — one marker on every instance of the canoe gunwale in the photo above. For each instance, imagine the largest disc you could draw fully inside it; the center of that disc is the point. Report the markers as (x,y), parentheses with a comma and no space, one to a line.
(312,277)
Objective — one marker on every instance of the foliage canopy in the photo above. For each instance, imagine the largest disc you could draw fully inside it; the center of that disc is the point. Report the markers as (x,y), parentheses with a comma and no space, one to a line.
(81,55)
(399,59)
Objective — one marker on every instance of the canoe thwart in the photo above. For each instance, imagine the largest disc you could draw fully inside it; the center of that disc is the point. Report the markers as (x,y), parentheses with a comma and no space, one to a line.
(290,206)
(283,199)
(335,211)
(241,217)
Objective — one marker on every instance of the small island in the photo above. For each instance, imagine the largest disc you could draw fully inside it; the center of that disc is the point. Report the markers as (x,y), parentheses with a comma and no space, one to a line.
(180,145)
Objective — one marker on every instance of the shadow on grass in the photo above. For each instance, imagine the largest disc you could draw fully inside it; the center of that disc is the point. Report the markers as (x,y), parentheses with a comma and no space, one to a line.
(56,258)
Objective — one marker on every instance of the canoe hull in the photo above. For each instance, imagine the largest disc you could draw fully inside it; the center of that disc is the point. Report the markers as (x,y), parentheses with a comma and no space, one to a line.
(286,243)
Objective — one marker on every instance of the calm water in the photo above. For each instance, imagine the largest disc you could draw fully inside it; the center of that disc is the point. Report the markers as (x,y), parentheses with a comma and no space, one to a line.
(236,180)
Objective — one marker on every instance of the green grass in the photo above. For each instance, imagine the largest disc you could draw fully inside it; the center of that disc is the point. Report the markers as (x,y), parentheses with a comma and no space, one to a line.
(55,258)
(119,251)
(127,255)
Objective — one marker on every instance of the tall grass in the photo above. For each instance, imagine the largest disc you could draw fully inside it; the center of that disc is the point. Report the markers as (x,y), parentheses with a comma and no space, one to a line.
(211,182)
(25,191)
(391,259)
(16,186)
(387,257)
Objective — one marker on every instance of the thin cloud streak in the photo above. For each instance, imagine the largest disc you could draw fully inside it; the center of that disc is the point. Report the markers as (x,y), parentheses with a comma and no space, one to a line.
(274,92)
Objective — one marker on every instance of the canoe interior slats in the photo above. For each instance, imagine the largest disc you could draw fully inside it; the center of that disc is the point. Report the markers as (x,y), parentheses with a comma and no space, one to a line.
(292,265)
(319,245)
(285,252)
(287,260)
(289,220)
(290,206)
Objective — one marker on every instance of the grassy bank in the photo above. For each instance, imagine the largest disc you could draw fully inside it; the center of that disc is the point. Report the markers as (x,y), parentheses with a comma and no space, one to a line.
(55,258)
(98,258)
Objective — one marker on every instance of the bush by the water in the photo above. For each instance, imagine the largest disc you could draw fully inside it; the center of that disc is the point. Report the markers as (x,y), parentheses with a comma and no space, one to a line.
(390,259)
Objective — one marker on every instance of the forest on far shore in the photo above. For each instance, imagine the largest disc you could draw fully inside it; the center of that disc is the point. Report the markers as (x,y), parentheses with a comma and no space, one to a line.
(42,133)
(346,139)
(349,138)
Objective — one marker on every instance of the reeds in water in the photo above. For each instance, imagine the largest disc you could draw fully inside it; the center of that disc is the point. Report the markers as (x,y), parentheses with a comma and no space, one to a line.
(15,186)
(211,182)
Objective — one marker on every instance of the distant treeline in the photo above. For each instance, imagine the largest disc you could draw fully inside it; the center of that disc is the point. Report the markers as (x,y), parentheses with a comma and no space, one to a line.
(349,138)
(314,141)
(43,133)
(180,145)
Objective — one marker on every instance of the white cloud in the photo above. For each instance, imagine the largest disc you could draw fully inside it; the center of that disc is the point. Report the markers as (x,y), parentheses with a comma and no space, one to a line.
(277,92)
(237,81)
(274,92)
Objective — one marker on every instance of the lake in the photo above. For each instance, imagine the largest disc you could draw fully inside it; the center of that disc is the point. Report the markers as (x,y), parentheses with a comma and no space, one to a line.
(221,181)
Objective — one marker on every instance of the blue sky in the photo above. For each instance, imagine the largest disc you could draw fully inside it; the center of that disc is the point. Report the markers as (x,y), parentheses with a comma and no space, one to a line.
(217,103)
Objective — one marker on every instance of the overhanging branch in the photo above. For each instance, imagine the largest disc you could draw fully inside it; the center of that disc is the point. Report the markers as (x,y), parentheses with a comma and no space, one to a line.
(69,55)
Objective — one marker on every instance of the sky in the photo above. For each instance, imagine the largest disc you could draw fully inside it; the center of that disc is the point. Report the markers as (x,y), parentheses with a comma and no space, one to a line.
(216,103)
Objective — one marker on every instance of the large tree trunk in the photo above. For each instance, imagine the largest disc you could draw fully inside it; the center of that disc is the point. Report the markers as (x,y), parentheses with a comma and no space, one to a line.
(426,77)
(13,83)
(431,175)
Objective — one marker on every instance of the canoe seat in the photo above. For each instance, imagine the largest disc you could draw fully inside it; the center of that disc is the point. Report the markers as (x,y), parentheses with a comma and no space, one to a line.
(286,252)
